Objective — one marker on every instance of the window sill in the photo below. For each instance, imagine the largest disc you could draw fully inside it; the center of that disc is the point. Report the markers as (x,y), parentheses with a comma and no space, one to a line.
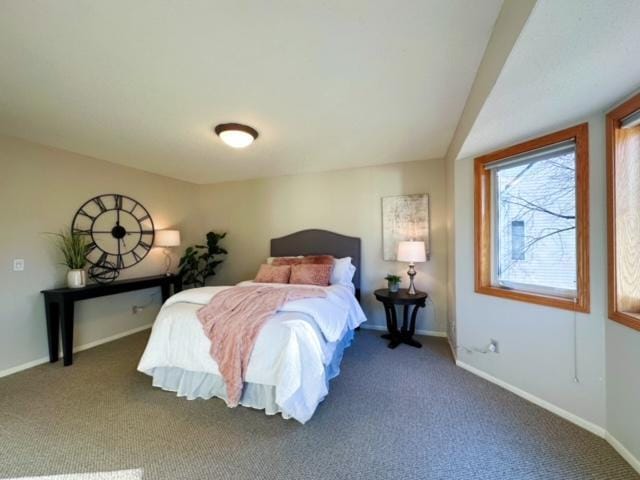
(631,320)
(546,300)
(551,292)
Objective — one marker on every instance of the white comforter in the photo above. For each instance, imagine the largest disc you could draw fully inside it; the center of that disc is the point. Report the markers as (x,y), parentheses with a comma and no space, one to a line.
(290,353)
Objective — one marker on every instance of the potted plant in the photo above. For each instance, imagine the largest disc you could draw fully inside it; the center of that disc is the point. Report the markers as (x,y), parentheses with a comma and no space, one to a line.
(393,282)
(200,261)
(74,250)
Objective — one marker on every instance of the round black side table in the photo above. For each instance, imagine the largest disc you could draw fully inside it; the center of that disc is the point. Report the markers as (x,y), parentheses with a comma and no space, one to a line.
(401,297)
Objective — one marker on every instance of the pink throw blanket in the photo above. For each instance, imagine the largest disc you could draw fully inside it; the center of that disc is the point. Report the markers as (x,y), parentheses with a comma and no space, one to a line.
(232,321)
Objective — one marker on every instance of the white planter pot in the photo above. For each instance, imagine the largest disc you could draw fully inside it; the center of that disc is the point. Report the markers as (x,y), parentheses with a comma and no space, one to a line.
(76,279)
(393,287)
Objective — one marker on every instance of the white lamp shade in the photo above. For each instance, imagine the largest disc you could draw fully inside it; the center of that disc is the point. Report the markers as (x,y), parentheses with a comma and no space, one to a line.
(412,252)
(167,238)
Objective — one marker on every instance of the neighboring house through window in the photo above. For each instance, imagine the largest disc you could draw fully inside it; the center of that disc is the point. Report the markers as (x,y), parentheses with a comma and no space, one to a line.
(517,240)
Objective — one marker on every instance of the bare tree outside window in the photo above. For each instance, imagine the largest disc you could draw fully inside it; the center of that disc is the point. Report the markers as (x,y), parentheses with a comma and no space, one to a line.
(541,195)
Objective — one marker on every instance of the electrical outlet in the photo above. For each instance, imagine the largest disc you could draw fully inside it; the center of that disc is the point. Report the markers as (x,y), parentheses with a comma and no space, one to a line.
(493,346)
(18,264)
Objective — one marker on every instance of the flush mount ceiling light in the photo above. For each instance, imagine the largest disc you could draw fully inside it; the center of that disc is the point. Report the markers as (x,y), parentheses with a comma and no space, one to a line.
(236,135)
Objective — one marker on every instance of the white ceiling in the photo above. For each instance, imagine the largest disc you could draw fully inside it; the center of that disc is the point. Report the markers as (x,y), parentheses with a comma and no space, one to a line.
(573,58)
(328,84)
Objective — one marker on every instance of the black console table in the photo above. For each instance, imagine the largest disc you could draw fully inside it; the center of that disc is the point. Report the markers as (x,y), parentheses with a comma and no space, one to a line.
(401,297)
(59,303)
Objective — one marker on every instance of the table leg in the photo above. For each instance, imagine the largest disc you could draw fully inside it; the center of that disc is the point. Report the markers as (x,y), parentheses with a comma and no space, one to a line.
(405,320)
(52,312)
(177,285)
(67,332)
(412,328)
(166,291)
(387,314)
(414,314)
(394,335)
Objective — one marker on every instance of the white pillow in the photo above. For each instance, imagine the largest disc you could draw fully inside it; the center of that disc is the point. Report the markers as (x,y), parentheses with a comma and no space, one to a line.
(343,271)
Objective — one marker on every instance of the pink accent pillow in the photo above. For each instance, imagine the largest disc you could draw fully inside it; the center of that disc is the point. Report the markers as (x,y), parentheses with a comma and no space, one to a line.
(279,261)
(309,259)
(318,259)
(311,274)
(273,274)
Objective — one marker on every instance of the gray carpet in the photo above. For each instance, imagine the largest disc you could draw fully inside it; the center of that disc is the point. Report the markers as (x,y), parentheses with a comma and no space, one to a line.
(404,413)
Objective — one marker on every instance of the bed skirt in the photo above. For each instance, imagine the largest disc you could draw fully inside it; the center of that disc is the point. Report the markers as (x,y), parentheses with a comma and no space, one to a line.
(193,385)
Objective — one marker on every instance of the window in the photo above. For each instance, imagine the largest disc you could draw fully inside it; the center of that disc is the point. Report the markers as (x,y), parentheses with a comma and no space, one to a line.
(539,188)
(532,221)
(623,201)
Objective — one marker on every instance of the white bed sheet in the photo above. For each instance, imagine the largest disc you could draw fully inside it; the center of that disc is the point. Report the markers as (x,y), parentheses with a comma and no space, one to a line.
(291,352)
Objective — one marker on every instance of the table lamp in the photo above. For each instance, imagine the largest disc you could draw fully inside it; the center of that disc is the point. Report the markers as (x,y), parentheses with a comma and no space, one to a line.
(167,239)
(412,252)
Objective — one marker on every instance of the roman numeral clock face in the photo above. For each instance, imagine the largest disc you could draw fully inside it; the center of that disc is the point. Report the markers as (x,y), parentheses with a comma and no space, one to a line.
(120,230)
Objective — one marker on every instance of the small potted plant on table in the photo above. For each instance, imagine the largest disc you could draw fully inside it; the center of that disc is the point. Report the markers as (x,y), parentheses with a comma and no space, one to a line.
(74,250)
(393,282)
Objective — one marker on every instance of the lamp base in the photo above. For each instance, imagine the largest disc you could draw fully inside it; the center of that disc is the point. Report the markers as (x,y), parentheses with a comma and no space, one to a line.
(167,261)
(411,273)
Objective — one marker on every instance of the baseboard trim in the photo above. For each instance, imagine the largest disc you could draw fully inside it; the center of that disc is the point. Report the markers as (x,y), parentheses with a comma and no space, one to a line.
(382,328)
(622,450)
(24,366)
(79,348)
(117,336)
(575,419)
(579,421)
(454,353)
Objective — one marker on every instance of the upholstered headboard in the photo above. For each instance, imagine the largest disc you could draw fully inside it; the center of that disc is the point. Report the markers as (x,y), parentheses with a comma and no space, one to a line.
(320,242)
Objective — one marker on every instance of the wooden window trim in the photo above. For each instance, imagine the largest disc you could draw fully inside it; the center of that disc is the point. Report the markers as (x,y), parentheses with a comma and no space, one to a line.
(614,118)
(483,221)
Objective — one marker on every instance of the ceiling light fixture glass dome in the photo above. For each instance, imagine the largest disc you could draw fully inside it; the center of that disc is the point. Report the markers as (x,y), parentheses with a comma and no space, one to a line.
(236,135)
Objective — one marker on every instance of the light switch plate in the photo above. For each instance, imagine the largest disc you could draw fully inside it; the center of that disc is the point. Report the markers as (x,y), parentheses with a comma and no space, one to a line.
(18,265)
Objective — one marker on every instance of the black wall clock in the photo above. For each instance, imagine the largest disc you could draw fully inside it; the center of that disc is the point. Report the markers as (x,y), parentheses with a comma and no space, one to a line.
(120,228)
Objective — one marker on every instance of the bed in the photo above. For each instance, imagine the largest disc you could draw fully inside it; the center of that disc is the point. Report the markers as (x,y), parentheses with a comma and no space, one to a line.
(297,352)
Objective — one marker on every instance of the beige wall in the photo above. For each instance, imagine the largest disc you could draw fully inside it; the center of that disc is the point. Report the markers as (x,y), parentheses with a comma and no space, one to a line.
(40,190)
(512,18)
(623,388)
(345,201)
(536,342)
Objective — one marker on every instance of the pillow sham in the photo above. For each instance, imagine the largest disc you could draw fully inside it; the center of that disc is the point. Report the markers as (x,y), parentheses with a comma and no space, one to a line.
(318,259)
(311,274)
(271,259)
(343,271)
(309,259)
(287,261)
(273,274)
